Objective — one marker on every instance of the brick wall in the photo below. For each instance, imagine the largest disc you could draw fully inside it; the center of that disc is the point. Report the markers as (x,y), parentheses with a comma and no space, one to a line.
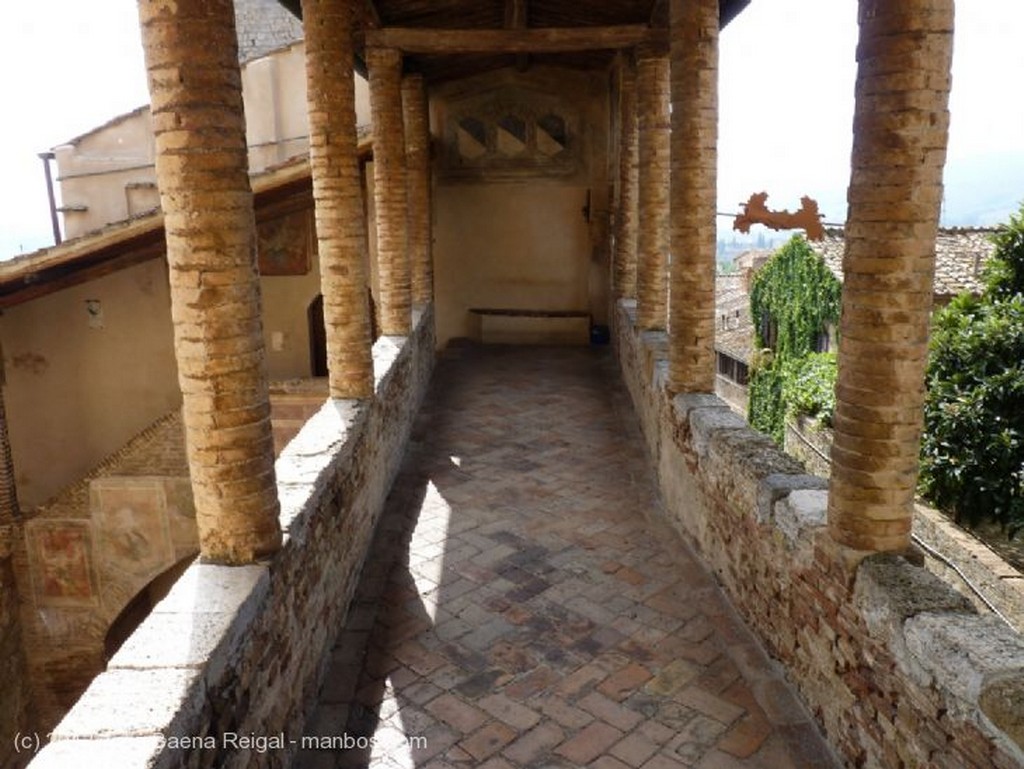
(14,707)
(898,668)
(64,639)
(241,650)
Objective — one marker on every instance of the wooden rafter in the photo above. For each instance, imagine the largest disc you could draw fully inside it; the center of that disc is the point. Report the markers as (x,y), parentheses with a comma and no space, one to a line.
(371,14)
(497,41)
(517,17)
(516,14)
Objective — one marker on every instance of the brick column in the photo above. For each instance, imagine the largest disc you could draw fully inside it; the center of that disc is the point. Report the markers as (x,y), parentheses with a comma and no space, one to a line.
(624,270)
(694,190)
(338,193)
(385,68)
(201,165)
(901,123)
(417,159)
(652,237)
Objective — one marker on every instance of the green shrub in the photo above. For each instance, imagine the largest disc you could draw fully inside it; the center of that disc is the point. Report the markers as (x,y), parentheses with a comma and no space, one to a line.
(808,387)
(972,451)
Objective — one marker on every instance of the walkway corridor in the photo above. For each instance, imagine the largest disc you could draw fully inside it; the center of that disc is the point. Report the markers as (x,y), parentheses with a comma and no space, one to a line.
(520,608)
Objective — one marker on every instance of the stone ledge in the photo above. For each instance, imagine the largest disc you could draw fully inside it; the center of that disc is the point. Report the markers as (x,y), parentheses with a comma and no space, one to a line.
(799,512)
(912,648)
(199,648)
(978,662)
(134,703)
(1002,584)
(113,752)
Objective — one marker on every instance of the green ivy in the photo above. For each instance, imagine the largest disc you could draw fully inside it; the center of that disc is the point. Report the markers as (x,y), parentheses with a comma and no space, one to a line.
(796,295)
(972,450)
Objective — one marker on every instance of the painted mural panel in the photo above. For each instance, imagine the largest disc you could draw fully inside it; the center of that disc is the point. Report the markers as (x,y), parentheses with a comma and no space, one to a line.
(284,244)
(61,556)
(130,515)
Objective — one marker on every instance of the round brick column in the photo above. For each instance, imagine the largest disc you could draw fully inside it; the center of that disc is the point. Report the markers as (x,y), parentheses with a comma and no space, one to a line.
(202,171)
(901,123)
(624,270)
(385,68)
(694,190)
(417,159)
(338,193)
(652,237)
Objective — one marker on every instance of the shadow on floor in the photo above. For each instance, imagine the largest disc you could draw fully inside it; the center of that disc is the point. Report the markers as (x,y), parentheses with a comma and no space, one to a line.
(522,606)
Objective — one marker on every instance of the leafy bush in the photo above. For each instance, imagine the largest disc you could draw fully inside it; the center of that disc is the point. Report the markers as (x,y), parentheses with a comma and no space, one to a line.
(808,387)
(972,451)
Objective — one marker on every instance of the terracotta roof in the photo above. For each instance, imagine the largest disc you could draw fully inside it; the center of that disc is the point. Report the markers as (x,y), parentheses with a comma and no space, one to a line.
(960,254)
(263,26)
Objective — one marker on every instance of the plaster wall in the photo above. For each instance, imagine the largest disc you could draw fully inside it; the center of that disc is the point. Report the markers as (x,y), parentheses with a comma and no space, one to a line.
(285,326)
(87,368)
(108,175)
(897,667)
(513,229)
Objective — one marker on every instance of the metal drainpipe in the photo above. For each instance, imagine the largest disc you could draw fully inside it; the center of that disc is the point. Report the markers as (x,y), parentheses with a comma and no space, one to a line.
(46,157)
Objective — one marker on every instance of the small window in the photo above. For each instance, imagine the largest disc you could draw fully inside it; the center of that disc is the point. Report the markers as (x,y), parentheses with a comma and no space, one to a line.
(511,135)
(471,138)
(552,136)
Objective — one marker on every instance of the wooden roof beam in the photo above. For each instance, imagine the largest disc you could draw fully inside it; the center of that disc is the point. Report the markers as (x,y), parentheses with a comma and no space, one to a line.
(371,14)
(418,40)
(516,14)
(517,17)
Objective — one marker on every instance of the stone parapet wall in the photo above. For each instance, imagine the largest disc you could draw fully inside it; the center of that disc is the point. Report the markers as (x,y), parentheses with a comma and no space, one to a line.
(896,666)
(225,669)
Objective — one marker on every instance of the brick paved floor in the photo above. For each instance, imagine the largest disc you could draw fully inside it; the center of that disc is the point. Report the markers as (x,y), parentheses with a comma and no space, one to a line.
(521,609)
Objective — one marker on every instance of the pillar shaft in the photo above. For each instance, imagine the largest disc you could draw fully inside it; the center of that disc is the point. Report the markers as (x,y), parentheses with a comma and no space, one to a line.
(694,190)
(338,194)
(624,270)
(417,158)
(653,193)
(201,164)
(901,122)
(385,69)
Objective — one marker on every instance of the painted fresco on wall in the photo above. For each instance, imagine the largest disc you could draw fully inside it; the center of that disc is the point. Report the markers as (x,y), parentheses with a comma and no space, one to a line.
(284,244)
(60,554)
(130,515)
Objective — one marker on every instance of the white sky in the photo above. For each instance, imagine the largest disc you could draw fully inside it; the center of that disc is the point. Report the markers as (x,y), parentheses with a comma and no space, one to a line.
(787,72)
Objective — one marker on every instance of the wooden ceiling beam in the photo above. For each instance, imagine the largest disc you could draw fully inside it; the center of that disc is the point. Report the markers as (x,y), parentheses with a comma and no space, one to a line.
(517,17)
(418,40)
(371,14)
(516,12)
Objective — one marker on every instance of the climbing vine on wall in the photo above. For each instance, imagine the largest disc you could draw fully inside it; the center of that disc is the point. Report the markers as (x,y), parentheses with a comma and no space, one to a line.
(793,300)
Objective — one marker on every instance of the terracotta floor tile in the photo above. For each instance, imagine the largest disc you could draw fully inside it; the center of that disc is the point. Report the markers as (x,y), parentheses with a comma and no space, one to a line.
(519,610)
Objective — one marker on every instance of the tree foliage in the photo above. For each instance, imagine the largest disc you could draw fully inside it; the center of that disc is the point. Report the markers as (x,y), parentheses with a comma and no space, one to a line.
(972,451)
(793,299)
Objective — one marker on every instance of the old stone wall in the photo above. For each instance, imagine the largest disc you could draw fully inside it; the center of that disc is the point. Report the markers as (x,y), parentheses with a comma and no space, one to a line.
(898,668)
(87,553)
(234,652)
(14,704)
